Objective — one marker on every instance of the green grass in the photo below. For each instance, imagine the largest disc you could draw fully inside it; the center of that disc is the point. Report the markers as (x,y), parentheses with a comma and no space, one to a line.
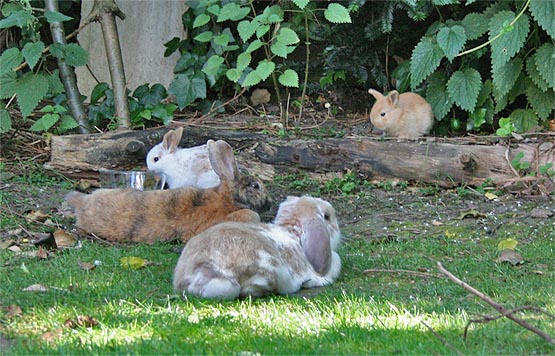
(362,313)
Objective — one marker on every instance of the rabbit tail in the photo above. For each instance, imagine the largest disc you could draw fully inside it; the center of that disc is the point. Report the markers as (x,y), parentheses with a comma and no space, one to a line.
(206,282)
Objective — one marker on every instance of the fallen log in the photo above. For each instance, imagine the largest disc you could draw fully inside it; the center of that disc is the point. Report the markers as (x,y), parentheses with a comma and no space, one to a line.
(430,161)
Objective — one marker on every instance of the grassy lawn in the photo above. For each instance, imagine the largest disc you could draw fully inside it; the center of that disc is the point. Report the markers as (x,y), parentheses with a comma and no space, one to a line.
(115,310)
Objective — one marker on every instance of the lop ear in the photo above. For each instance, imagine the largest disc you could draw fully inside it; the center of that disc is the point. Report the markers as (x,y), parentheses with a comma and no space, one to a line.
(317,247)
(222,160)
(393,97)
(171,139)
(376,94)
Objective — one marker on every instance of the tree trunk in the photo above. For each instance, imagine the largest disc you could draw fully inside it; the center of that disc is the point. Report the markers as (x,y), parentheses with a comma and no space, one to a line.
(431,162)
(67,74)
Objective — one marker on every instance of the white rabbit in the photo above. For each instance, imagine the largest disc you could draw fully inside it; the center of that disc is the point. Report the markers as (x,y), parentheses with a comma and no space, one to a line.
(183,167)
(237,259)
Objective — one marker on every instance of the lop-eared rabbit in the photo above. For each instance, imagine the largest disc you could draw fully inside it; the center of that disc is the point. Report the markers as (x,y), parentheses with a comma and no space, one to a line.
(128,215)
(235,259)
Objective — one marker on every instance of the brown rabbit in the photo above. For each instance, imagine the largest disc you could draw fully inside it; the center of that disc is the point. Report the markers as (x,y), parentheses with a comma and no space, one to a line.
(406,116)
(127,215)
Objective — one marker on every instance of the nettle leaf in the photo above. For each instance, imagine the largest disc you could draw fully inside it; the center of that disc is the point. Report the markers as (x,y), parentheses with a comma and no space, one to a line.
(251,79)
(534,75)
(55,16)
(451,40)
(287,36)
(464,87)
(8,83)
(67,123)
(187,88)
(213,9)
(205,36)
(425,59)
(512,38)
(232,11)
(201,20)
(32,51)
(45,122)
(222,40)
(301,4)
(475,25)
(289,78)
(256,44)
(30,89)
(523,120)
(437,95)
(76,55)
(545,62)
(246,29)
(21,18)
(213,65)
(544,13)
(272,14)
(5,121)
(279,49)
(543,102)
(506,75)
(10,59)
(336,13)
(234,74)
(262,30)
(265,68)
(243,60)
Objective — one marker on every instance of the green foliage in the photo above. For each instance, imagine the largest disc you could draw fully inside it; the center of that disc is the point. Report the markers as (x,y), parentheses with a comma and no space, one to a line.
(54,115)
(508,45)
(22,73)
(242,44)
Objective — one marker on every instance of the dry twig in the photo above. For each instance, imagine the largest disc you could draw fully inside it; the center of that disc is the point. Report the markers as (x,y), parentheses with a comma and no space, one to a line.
(406,271)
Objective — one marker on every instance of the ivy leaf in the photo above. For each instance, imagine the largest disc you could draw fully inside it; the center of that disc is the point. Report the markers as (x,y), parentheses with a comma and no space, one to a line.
(150,97)
(544,13)
(213,65)
(55,16)
(243,61)
(512,38)
(545,62)
(464,87)
(289,78)
(336,13)
(205,36)
(523,120)
(5,121)
(287,36)
(437,95)
(301,4)
(475,25)
(31,88)
(534,75)
(45,122)
(506,75)
(451,40)
(425,58)
(542,102)
(10,59)
(265,68)
(201,20)
(188,87)
(246,29)
(32,51)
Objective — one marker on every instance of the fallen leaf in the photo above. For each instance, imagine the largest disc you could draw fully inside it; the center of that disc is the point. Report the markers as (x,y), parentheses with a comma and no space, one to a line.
(437,223)
(82,321)
(15,249)
(510,256)
(450,234)
(133,262)
(41,253)
(86,266)
(36,216)
(47,241)
(36,288)
(539,213)
(64,238)
(507,244)
(473,213)
(490,196)
(13,310)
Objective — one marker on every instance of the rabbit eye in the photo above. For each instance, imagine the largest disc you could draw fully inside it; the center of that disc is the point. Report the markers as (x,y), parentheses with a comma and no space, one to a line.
(382,114)
(327,216)
(156,159)
(255,185)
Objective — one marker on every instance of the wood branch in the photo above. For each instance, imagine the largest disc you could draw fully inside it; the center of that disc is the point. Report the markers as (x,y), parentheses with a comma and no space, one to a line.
(505,312)
(430,162)
(67,74)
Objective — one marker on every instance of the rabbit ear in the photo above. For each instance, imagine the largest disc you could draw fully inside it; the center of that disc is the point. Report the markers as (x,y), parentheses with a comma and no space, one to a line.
(376,94)
(393,97)
(171,139)
(317,246)
(222,160)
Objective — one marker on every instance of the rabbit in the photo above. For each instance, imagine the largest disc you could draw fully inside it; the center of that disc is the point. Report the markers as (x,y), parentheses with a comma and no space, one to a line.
(128,215)
(406,116)
(183,167)
(235,259)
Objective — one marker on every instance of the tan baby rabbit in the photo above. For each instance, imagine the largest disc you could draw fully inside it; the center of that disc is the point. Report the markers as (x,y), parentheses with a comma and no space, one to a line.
(406,116)
(127,215)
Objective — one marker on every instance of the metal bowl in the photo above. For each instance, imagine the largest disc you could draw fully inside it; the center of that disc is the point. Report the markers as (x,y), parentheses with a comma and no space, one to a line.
(139,180)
